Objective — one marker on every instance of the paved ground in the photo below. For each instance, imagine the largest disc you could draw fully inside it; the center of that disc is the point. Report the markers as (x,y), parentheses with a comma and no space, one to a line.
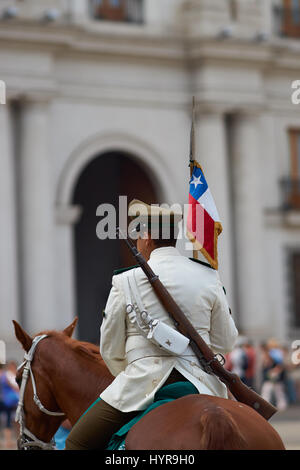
(286,423)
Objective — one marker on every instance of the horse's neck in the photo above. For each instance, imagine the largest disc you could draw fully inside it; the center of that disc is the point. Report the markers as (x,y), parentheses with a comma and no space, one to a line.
(77,382)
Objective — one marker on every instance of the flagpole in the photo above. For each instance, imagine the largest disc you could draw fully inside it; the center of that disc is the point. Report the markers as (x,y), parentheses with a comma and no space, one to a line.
(192,138)
(192,153)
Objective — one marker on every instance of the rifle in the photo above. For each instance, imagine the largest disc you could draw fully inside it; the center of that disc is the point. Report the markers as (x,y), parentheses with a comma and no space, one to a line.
(208,360)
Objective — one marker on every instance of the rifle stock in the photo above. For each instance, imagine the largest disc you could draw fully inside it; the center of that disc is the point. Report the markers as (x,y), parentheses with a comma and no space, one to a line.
(207,358)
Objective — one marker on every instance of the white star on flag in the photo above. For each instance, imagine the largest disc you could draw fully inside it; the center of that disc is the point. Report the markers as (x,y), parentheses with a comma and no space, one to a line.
(196,181)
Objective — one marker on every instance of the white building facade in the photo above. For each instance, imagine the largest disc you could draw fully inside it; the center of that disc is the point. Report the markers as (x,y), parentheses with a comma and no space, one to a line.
(98,104)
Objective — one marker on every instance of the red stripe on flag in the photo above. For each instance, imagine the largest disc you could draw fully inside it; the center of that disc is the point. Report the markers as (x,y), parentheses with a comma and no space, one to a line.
(201,225)
(209,235)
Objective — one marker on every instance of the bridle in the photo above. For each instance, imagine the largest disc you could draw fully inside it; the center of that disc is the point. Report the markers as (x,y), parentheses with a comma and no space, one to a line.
(27,439)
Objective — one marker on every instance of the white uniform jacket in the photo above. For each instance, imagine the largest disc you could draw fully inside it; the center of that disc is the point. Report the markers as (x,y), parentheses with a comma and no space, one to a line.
(141,367)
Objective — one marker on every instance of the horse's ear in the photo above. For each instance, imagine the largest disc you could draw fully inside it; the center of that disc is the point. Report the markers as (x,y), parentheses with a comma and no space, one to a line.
(22,336)
(69,330)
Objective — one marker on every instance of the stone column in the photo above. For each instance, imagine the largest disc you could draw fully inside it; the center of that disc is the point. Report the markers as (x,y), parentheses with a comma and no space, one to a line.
(36,218)
(8,242)
(66,217)
(78,10)
(211,153)
(250,259)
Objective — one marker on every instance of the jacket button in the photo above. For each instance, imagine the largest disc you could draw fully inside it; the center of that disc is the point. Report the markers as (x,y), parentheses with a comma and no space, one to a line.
(156,361)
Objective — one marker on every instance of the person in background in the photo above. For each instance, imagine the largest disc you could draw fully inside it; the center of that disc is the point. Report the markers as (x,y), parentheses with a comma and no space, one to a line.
(251,363)
(1,398)
(237,361)
(289,382)
(274,374)
(62,434)
(10,398)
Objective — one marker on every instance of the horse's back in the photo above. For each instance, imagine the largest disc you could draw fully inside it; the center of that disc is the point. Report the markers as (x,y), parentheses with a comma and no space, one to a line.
(199,422)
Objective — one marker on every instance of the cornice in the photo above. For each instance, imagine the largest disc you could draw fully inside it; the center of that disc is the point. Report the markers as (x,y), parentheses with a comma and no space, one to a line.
(107,39)
(141,44)
(147,42)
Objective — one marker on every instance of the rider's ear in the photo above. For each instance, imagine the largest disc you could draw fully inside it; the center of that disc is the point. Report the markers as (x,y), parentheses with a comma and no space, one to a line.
(69,330)
(22,336)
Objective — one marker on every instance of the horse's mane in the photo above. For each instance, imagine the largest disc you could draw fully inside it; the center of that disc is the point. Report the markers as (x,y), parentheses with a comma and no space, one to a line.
(83,348)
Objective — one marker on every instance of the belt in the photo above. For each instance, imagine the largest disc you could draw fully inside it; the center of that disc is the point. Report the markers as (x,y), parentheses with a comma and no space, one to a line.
(153,351)
(142,353)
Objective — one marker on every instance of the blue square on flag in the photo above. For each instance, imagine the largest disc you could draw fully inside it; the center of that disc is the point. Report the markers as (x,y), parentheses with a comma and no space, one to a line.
(198,184)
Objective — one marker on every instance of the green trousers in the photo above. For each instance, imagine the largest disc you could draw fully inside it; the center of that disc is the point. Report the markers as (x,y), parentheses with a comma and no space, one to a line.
(96,426)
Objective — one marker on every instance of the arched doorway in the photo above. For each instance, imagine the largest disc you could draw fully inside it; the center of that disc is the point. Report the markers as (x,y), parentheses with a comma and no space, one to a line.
(103,180)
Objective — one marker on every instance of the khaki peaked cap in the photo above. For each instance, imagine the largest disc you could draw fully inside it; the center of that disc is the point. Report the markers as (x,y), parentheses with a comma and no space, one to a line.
(153,214)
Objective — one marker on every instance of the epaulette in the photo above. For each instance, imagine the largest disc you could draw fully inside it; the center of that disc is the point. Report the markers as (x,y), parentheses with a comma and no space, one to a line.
(202,262)
(123,270)
(208,265)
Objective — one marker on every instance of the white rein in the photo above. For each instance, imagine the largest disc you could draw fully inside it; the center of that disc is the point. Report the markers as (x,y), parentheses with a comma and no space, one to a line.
(24,443)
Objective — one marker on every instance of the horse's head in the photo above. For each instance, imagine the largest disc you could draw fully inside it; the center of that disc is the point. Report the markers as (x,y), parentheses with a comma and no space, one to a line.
(38,413)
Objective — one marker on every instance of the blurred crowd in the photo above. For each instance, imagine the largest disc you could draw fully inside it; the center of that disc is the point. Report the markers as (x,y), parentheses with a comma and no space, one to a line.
(9,397)
(268,369)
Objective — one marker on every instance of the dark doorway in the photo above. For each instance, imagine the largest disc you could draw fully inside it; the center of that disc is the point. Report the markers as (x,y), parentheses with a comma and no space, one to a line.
(103,180)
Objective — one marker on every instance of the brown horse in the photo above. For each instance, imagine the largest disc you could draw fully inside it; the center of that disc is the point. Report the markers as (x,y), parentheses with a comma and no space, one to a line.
(68,375)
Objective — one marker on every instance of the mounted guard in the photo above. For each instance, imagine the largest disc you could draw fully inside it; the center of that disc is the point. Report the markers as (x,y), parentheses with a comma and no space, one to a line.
(129,347)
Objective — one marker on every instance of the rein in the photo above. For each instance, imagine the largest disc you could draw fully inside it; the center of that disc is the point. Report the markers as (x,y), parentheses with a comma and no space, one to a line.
(27,439)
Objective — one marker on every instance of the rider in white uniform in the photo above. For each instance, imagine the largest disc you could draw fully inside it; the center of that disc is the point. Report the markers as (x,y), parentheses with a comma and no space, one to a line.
(141,367)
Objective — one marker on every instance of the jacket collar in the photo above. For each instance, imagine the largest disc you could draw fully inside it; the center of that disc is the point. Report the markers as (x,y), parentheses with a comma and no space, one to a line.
(164,251)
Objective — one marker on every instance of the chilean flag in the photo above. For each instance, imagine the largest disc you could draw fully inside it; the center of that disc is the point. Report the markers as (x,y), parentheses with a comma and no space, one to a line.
(203,221)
